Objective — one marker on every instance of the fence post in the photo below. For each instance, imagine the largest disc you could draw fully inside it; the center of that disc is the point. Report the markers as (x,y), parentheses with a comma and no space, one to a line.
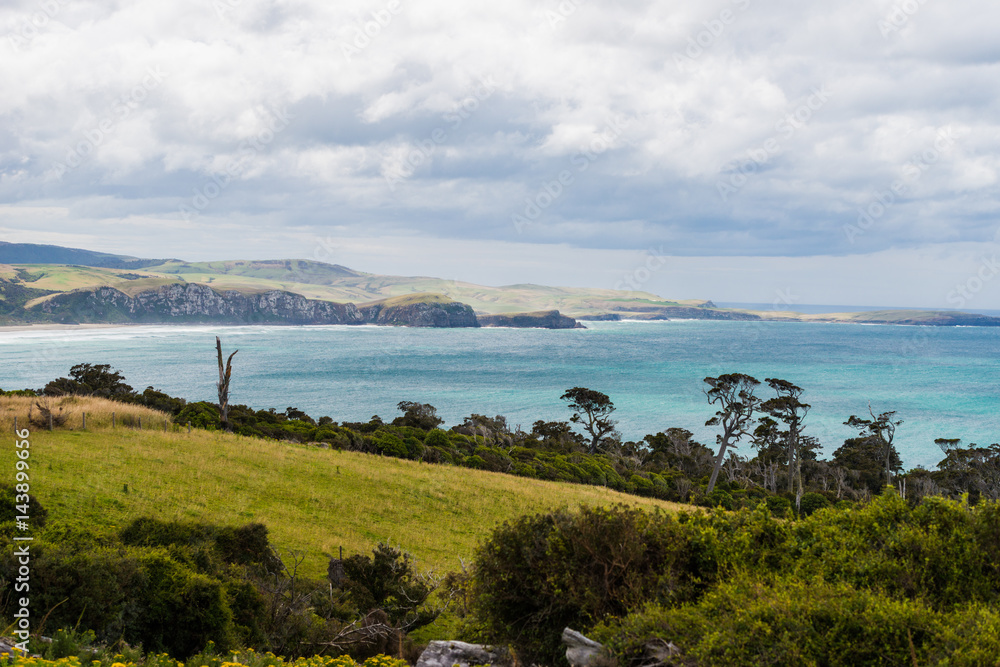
(84,421)
(164,425)
(15,423)
(140,423)
(189,427)
(50,421)
(112,420)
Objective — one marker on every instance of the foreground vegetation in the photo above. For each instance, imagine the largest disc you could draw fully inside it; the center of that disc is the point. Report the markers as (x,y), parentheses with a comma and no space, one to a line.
(313,500)
(888,583)
(157,516)
(70,648)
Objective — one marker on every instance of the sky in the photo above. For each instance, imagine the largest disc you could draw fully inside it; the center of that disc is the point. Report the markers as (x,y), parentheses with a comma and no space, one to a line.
(843,152)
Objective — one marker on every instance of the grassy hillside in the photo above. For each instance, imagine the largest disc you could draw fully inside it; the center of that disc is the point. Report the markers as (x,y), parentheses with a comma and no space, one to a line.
(32,253)
(330,282)
(313,500)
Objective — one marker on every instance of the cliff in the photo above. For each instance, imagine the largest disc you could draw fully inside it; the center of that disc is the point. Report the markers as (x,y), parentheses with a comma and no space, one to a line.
(543,319)
(420,310)
(190,302)
(196,303)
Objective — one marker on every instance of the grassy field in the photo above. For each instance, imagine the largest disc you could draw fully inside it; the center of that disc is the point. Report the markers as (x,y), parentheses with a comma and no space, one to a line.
(333,283)
(313,500)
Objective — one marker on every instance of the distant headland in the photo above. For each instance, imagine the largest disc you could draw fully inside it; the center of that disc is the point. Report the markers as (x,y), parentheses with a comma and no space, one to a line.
(44,284)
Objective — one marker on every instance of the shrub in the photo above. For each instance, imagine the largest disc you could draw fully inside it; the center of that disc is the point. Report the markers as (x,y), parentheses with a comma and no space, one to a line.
(779,506)
(747,622)
(388,444)
(201,415)
(474,461)
(811,502)
(414,448)
(719,498)
(539,574)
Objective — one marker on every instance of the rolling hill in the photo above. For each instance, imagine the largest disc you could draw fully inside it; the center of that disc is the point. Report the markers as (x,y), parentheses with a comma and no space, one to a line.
(313,500)
(35,274)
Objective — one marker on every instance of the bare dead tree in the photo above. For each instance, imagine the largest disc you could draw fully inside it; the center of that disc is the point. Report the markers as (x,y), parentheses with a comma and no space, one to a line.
(225,374)
(839,475)
(733,466)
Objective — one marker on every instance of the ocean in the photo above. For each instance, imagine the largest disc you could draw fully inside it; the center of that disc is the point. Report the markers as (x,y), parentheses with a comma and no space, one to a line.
(942,382)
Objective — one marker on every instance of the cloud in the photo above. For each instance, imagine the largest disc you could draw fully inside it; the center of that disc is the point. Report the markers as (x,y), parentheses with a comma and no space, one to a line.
(746,129)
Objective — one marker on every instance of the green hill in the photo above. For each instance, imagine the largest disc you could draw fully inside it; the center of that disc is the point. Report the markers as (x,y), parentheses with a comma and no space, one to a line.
(312,500)
(33,253)
(50,268)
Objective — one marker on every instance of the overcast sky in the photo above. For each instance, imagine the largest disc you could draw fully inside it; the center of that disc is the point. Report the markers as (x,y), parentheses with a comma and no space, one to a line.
(838,152)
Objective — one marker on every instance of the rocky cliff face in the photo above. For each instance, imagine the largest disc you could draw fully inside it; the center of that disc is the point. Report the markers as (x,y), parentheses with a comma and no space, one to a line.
(452,314)
(548,319)
(191,302)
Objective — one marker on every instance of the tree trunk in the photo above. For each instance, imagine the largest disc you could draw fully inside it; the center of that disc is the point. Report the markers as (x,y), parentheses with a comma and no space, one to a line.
(225,374)
(718,466)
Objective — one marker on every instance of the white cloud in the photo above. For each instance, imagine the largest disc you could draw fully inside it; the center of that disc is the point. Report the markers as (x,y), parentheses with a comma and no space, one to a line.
(713,92)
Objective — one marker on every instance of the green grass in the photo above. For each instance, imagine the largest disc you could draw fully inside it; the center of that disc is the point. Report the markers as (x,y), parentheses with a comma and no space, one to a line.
(410,299)
(312,500)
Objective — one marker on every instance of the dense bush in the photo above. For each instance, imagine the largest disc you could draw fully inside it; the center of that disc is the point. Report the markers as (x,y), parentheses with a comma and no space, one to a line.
(811,502)
(803,622)
(541,573)
(168,586)
(747,587)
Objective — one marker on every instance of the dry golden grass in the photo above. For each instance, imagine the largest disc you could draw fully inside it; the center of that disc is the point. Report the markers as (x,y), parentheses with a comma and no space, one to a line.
(98,410)
(312,500)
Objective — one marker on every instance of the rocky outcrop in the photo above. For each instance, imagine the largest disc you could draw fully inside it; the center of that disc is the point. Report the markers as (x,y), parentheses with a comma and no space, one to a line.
(544,319)
(581,651)
(190,302)
(197,303)
(674,313)
(450,654)
(420,314)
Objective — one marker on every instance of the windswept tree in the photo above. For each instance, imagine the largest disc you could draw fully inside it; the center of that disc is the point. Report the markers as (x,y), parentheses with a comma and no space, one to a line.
(592,410)
(791,411)
(734,394)
(418,415)
(880,430)
(91,380)
(225,374)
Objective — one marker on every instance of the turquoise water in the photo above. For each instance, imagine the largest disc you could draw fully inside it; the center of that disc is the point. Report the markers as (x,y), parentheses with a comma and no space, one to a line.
(941,381)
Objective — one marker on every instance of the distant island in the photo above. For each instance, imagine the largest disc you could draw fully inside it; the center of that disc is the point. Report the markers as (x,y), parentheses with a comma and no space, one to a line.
(44,284)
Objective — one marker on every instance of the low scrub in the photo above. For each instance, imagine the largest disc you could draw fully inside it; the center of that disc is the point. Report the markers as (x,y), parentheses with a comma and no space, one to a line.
(885,583)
